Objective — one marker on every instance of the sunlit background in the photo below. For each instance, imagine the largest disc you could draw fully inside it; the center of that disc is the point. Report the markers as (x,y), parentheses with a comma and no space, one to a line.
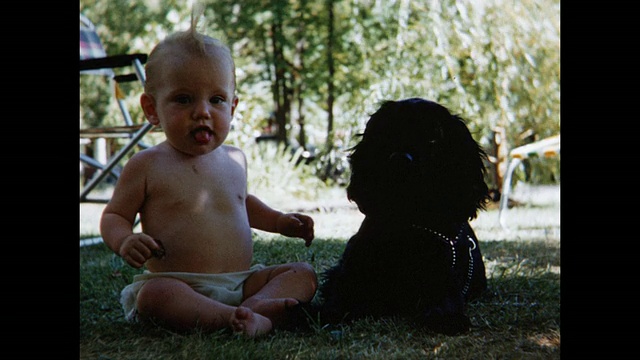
(309,74)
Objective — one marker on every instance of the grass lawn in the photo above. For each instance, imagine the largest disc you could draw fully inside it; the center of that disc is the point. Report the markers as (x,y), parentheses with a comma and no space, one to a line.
(519,318)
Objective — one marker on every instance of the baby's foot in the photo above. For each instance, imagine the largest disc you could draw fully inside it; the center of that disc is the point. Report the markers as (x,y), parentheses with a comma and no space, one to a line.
(274,309)
(246,322)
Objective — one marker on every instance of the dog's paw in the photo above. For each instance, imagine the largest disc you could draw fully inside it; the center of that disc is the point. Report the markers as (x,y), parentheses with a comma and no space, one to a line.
(299,318)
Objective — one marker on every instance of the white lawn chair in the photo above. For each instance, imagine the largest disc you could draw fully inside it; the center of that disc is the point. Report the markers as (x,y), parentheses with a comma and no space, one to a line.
(545,148)
(94,61)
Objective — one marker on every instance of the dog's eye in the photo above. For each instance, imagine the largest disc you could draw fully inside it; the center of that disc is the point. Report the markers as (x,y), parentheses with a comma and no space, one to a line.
(401,157)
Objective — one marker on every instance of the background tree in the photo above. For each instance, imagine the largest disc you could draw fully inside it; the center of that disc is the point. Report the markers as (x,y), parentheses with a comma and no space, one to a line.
(317,69)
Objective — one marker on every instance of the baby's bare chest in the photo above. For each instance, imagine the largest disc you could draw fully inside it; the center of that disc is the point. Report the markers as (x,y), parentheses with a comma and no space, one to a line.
(196,188)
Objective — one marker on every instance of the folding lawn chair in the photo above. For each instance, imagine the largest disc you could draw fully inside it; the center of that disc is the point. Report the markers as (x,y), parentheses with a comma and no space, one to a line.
(546,148)
(94,61)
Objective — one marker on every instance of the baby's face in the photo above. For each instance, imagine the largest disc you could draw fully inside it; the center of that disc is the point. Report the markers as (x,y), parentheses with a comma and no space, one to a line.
(195,102)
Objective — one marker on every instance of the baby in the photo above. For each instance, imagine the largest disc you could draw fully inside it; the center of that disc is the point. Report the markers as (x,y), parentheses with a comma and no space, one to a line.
(195,211)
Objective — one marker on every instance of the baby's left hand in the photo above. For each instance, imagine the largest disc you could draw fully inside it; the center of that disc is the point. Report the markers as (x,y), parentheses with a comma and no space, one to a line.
(296,225)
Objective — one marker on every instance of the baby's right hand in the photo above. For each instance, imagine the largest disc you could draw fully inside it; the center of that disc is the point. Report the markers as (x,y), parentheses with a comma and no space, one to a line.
(136,249)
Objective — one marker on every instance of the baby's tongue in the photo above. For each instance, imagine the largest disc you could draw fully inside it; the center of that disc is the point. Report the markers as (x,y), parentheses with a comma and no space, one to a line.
(203,136)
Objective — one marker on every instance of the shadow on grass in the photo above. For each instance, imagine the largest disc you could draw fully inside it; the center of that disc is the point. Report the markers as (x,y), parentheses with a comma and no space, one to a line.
(518,317)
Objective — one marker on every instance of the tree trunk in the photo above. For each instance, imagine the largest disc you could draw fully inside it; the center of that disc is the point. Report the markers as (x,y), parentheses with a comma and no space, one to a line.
(302,136)
(330,87)
(498,156)
(298,68)
(281,91)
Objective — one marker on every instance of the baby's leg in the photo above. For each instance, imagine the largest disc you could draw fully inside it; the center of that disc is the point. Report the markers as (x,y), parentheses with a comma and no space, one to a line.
(176,305)
(273,309)
(272,290)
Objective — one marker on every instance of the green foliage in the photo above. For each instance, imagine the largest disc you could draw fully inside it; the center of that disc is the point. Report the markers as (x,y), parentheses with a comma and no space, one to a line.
(277,173)
(496,62)
(333,167)
(536,170)
(124,27)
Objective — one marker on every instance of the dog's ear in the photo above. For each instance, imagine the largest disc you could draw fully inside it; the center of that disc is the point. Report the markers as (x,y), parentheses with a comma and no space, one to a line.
(468,159)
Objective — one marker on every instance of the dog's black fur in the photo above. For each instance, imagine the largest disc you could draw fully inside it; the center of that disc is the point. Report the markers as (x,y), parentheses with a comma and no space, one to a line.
(418,177)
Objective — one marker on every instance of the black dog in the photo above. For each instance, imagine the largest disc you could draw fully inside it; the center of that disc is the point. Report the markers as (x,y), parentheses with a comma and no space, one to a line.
(418,177)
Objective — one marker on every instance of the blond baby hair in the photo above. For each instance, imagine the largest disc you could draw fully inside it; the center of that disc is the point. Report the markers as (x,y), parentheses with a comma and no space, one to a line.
(190,41)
